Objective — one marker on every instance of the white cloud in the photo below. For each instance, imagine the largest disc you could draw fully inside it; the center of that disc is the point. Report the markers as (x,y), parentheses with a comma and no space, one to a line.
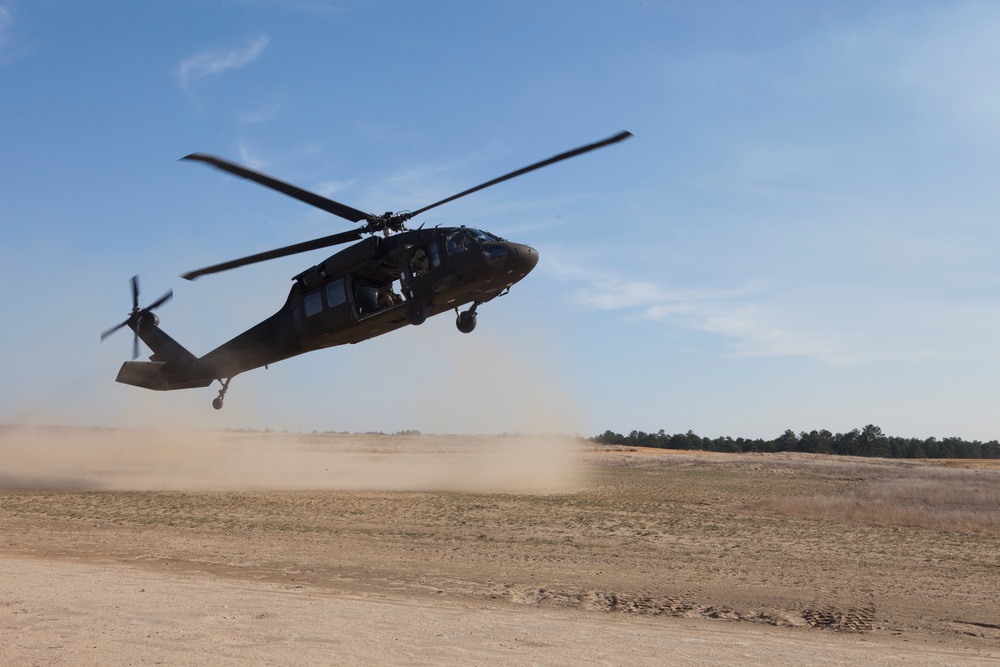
(739,313)
(845,325)
(12,46)
(334,188)
(757,332)
(251,158)
(213,63)
(606,293)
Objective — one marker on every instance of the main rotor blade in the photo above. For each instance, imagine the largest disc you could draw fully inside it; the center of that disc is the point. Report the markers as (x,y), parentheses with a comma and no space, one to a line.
(538,165)
(311,198)
(135,346)
(324,242)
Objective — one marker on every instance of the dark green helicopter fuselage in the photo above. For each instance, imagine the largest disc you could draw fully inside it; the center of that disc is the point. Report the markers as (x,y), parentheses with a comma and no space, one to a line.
(375,286)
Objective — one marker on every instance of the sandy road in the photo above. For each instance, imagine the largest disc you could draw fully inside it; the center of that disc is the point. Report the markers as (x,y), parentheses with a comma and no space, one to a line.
(64,613)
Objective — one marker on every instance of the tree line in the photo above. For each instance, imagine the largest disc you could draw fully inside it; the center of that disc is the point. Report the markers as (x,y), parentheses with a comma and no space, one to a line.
(868,441)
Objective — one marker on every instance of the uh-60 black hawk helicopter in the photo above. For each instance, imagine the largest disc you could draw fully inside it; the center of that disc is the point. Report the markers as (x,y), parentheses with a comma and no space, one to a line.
(377,285)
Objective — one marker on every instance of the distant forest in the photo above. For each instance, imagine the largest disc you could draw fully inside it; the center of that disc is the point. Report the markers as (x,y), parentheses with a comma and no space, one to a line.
(869,441)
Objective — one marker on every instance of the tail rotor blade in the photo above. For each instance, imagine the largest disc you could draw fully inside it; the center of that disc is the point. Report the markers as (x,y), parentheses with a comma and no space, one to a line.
(136,316)
(162,300)
(135,292)
(112,330)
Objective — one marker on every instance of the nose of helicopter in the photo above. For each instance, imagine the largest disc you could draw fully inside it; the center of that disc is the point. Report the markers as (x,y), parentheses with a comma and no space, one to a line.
(521,261)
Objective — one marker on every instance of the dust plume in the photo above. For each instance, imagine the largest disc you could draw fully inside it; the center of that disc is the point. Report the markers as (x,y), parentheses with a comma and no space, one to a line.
(53,458)
(487,382)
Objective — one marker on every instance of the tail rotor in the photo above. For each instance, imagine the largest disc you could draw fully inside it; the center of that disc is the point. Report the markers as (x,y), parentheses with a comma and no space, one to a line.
(138,316)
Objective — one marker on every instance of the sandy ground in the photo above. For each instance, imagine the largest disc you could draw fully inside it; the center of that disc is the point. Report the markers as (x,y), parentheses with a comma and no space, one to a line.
(141,548)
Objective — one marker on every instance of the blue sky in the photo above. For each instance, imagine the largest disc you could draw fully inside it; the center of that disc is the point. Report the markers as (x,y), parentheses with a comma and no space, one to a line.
(802,233)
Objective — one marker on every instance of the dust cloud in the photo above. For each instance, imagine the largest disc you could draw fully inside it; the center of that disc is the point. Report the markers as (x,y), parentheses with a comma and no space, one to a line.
(489,382)
(76,459)
(167,441)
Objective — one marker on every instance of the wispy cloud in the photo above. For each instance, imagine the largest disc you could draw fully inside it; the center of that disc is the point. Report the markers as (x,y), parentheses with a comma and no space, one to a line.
(12,47)
(334,188)
(250,157)
(738,313)
(847,325)
(756,331)
(210,64)
(609,292)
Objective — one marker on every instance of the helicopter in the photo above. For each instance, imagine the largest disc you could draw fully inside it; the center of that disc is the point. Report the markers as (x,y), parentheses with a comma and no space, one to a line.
(390,277)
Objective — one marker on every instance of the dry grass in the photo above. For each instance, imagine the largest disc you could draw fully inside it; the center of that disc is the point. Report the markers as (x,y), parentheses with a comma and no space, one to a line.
(901,494)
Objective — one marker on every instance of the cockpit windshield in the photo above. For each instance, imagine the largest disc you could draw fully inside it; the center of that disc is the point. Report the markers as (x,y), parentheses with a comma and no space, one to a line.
(462,239)
(481,236)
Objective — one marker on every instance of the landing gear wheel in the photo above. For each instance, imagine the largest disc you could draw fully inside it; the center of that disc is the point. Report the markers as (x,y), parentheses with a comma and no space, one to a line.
(217,403)
(416,313)
(466,322)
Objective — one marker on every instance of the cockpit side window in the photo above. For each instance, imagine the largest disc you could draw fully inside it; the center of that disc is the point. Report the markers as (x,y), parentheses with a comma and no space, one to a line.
(458,241)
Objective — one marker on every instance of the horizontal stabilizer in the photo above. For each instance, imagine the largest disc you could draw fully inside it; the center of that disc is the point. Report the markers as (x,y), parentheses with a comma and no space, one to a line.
(153,375)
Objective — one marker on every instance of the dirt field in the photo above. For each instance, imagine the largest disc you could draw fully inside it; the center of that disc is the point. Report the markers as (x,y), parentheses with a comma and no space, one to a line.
(124,547)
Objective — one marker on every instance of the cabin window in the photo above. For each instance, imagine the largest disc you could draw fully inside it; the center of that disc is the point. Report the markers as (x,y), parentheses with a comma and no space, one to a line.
(312,303)
(335,294)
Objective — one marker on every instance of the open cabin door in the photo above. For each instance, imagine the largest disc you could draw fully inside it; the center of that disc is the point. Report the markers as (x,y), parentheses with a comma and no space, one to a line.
(372,293)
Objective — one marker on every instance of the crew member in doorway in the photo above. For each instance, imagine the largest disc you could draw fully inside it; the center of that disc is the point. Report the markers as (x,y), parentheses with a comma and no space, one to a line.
(419,262)
(387,298)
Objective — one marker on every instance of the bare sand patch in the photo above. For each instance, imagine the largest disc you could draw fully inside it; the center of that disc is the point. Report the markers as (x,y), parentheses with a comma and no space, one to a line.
(59,613)
(595,556)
